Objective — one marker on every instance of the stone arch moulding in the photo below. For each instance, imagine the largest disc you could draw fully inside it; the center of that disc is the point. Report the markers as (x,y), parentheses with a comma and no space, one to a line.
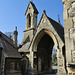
(40,34)
(56,32)
(60,58)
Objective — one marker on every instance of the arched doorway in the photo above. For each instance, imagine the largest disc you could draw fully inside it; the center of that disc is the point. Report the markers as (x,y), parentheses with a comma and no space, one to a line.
(44,54)
(46,37)
(52,33)
(43,45)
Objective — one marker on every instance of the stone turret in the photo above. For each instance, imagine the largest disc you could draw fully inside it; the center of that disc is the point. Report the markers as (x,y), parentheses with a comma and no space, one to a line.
(31,16)
(15,36)
(31,22)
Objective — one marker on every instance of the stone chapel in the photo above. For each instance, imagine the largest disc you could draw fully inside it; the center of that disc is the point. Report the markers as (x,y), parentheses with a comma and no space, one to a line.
(38,41)
(34,55)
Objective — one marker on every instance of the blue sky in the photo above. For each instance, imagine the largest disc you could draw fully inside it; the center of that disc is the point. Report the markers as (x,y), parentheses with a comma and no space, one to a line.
(12,13)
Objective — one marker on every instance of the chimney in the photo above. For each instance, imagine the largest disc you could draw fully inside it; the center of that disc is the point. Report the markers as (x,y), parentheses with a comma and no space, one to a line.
(15,36)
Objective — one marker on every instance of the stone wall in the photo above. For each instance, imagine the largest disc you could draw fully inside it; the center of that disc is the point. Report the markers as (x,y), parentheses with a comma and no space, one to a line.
(46,27)
(16,73)
(2,64)
(12,67)
(69,29)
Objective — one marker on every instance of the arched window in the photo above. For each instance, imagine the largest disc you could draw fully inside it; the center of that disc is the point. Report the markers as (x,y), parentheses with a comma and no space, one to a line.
(29,21)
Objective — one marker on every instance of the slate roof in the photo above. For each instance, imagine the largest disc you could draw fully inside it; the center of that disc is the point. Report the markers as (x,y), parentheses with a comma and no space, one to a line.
(34,7)
(58,27)
(25,47)
(9,49)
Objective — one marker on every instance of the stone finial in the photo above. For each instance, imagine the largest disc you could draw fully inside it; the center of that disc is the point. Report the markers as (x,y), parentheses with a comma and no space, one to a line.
(44,11)
(15,28)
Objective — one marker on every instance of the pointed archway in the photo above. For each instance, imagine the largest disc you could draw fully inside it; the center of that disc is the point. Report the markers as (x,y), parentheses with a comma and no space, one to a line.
(44,54)
(51,31)
(42,48)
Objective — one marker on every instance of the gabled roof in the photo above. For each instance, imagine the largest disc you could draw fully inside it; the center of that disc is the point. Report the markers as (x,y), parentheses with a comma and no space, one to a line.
(34,7)
(25,47)
(9,49)
(58,27)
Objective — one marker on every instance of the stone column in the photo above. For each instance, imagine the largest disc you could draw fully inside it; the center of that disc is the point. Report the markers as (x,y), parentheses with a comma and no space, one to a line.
(31,62)
(39,64)
(69,30)
(60,62)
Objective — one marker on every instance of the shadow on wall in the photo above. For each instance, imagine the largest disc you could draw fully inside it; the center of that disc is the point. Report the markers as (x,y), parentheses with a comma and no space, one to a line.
(26,68)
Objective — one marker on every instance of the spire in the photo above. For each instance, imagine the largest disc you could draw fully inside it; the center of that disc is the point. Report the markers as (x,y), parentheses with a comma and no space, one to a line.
(15,28)
(58,19)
